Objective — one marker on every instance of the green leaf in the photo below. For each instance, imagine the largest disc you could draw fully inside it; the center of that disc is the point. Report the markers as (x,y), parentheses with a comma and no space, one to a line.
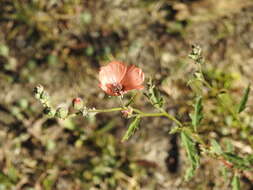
(237,161)
(132,128)
(154,95)
(189,173)
(226,102)
(244,100)
(249,159)
(68,124)
(216,147)
(49,182)
(197,116)
(192,154)
(235,183)
(196,86)
(4,179)
(12,174)
(229,146)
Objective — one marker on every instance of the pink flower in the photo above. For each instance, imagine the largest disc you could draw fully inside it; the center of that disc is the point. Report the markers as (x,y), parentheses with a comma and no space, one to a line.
(116,78)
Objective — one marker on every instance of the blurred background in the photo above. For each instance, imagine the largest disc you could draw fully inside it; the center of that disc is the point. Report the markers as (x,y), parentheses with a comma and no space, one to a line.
(62,43)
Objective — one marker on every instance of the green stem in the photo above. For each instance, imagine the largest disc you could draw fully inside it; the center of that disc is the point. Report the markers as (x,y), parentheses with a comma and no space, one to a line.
(160,114)
(138,113)
(114,109)
(106,110)
(98,111)
(173,119)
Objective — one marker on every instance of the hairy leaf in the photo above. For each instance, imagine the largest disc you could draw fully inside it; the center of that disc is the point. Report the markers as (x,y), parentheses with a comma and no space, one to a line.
(226,102)
(244,100)
(249,159)
(236,160)
(154,95)
(132,128)
(235,183)
(216,147)
(196,86)
(197,116)
(192,154)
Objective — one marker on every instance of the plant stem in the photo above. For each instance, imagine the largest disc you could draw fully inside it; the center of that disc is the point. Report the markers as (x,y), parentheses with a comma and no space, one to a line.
(159,114)
(137,111)
(106,110)
(114,109)
(172,118)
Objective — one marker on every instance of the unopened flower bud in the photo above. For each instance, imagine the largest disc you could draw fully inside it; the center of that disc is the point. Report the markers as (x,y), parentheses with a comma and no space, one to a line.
(49,111)
(196,50)
(61,113)
(37,96)
(44,96)
(77,103)
(38,89)
(127,113)
(84,112)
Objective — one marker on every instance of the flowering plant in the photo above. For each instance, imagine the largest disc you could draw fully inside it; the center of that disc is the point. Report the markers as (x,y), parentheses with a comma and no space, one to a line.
(116,79)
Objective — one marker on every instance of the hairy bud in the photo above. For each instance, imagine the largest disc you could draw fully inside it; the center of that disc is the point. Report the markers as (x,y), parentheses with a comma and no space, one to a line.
(38,91)
(77,103)
(61,113)
(49,111)
(44,96)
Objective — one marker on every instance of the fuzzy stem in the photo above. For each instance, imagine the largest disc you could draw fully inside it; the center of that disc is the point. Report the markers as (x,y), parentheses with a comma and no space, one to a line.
(106,110)
(137,111)
(159,114)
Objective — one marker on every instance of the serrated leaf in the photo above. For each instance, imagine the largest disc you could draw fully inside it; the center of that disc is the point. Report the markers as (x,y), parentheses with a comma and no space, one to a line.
(237,161)
(226,102)
(243,102)
(154,95)
(229,146)
(249,159)
(235,183)
(189,173)
(132,128)
(197,116)
(192,154)
(196,86)
(216,147)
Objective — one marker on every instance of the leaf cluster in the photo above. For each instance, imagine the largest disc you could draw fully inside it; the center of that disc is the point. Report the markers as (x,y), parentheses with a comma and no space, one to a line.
(154,95)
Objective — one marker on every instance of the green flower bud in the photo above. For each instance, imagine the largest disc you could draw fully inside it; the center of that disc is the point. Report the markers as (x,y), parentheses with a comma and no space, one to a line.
(61,113)
(38,89)
(37,96)
(49,111)
(84,112)
(77,103)
(44,96)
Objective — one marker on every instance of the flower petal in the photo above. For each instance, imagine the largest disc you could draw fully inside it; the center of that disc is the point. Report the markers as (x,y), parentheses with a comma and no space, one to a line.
(133,79)
(114,72)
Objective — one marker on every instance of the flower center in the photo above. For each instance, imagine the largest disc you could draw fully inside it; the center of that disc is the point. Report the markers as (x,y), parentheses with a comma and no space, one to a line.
(117,88)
